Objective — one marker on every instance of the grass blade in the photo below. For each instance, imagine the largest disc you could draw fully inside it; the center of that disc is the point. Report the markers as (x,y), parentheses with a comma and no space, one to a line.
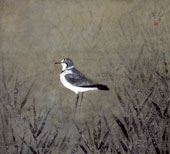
(89,133)
(29,146)
(44,144)
(145,101)
(123,146)
(166,110)
(84,139)
(83,148)
(14,139)
(120,124)
(43,123)
(165,133)
(104,139)
(26,96)
(103,142)
(16,91)
(157,109)
(31,128)
(95,138)
(35,119)
(5,84)
(120,100)
(161,93)
(51,142)
(99,129)
(135,127)
(155,145)
(42,138)
(163,80)
(75,147)
(22,144)
(131,100)
(105,149)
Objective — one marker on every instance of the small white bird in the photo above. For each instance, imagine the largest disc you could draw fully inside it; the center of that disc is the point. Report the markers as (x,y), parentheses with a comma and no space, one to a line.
(72,79)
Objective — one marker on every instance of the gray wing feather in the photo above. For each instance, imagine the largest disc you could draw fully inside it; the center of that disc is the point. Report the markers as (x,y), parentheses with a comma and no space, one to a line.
(78,79)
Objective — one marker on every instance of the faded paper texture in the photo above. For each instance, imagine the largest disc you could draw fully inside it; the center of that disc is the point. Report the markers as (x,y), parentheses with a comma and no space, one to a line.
(123,44)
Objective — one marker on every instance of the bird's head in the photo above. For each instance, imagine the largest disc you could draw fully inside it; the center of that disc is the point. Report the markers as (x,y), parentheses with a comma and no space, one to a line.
(66,63)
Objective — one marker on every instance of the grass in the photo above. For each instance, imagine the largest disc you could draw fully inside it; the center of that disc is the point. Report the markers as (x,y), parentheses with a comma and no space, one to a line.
(27,134)
(95,140)
(141,128)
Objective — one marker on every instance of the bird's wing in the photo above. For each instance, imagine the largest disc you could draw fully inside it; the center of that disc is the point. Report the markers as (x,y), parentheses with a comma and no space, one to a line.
(78,79)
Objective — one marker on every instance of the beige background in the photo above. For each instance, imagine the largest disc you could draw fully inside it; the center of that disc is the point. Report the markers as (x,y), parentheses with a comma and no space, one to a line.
(101,37)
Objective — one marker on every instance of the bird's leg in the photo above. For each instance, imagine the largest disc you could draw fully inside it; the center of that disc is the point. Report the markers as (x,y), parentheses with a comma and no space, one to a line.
(81,98)
(76,103)
(81,102)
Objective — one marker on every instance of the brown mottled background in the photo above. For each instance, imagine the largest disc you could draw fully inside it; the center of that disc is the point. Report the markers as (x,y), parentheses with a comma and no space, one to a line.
(102,37)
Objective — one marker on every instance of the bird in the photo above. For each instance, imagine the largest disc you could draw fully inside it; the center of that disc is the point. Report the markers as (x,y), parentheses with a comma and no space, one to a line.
(77,82)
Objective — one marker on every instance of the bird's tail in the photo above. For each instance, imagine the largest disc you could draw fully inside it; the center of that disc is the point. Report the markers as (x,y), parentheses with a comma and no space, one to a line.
(102,87)
(98,86)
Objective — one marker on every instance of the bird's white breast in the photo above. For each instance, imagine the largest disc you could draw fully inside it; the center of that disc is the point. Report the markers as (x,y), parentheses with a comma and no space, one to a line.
(72,87)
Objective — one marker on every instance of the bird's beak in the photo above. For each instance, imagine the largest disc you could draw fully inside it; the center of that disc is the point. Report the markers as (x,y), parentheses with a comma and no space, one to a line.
(57,62)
